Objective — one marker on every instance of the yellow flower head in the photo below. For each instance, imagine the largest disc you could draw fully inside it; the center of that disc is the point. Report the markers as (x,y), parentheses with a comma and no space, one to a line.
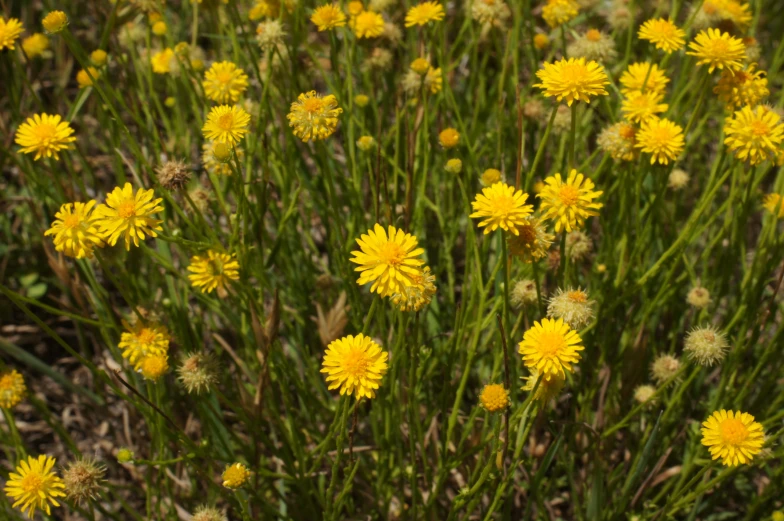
(9,31)
(636,76)
(328,17)
(313,116)
(142,340)
(494,397)
(159,28)
(367,24)
(153,367)
(224,82)
(54,22)
(264,9)
(642,106)
(162,61)
(551,347)
(45,135)
(34,485)
(213,271)
(216,157)
(454,166)
(541,41)
(569,202)
(129,216)
(98,57)
(744,87)
(733,436)
(355,7)
(774,203)
(661,138)
(388,259)
(366,143)
(531,241)
(434,80)
(85,77)
(501,206)
(420,66)
(235,475)
(664,34)
(226,124)
(572,79)
(618,140)
(424,13)
(361,100)
(35,45)
(718,50)
(549,388)
(754,135)
(490,176)
(559,12)
(449,138)
(12,389)
(76,231)
(356,365)
(419,294)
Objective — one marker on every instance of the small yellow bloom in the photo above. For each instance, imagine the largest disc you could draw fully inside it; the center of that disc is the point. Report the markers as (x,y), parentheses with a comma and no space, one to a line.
(531,242)
(154,366)
(718,50)
(54,22)
(424,13)
(388,259)
(34,485)
(733,436)
(420,66)
(365,143)
(367,24)
(162,61)
(664,34)
(637,76)
(98,57)
(559,12)
(12,389)
(159,28)
(454,166)
(494,397)
(35,45)
(755,135)
(549,387)
(744,87)
(235,475)
(642,106)
(224,82)
(661,138)
(572,79)
(569,202)
(85,77)
(76,231)
(501,206)
(449,138)
(214,271)
(541,41)
(129,216)
(44,135)
(328,17)
(361,100)
(419,294)
(314,117)
(774,203)
(551,347)
(355,365)
(226,124)
(9,32)
(355,7)
(216,157)
(143,340)
(491,176)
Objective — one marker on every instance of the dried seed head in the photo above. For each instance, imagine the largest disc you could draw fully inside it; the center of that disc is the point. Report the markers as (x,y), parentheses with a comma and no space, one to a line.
(207,513)
(174,175)
(523,292)
(706,345)
(83,479)
(197,372)
(699,297)
(664,368)
(643,393)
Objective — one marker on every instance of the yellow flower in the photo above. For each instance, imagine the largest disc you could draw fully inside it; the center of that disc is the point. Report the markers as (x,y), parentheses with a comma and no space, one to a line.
(127,215)
(54,22)
(449,137)
(328,17)
(213,271)
(76,230)
(501,206)
(45,135)
(637,75)
(216,157)
(314,117)
(235,475)
(618,140)
(98,57)
(541,41)
(558,12)
(661,138)
(733,436)
(159,28)
(34,485)
(367,24)
(744,87)
(490,176)
(531,241)
(85,77)
(424,13)
(143,340)
(664,34)
(361,100)
(549,387)
(568,203)
(226,124)
(454,166)
(224,82)
(356,365)
(494,397)
(551,347)
(419,294)
(388,259)
(355,7)
(12,389)
(572,79)
(365,143)
(35,45)
(718,50)
(162,61)
(264,9)
(420,66)
(9,31)
(774,203)
(154,366)
(642,106)
(434,80)
(754,135)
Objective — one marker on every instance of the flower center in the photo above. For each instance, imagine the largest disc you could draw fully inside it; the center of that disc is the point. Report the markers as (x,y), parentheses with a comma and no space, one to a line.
(574,74)
(391,253)
(45,132)
(224,77)
(577,296)
(593,35)
(759,128)
(568,195)
(32,483)
(71,221)
(502,205)
(127,209)
(627,132)
(733,431)
(226,121)
(719,48)
(551,344)
(6,383)
(527,234)
(146,336)
(215,267)
(355,364)
(313,105)
(660,137)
